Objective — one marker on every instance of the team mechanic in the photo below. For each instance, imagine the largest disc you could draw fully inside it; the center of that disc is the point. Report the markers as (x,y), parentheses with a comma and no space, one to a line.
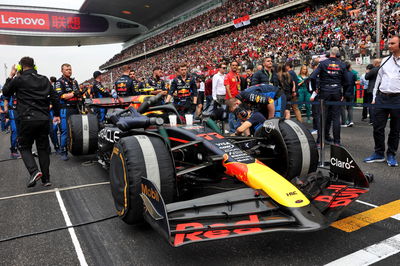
(98,91)
(183,90)
(124,86)
(34,93)
(10,105)
(332,80)
(262,97)
(156,82)
(68,92)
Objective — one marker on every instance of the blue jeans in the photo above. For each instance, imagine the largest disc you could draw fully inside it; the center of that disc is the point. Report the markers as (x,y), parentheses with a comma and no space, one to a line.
(14,131)
(54,128)
(234,123)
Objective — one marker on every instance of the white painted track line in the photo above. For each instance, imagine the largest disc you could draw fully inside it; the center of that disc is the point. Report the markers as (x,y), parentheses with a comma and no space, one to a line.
(371,254)
(54,190)
(75,241)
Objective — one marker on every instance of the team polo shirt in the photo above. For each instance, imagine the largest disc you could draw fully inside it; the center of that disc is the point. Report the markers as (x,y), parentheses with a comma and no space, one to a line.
(233,80)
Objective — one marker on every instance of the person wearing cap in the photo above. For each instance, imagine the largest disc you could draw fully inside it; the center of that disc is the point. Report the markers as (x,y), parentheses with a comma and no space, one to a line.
(98,91)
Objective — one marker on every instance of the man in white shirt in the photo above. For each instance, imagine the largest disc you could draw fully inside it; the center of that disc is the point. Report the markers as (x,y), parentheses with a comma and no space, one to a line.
(218,87)
(387,92)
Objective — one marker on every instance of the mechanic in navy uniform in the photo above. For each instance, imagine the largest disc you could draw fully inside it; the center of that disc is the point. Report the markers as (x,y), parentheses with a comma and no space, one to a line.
(387,92)
(332,80)
(262,98)
(34,93)
(98,91)
(156,82)
(124,85)
(10,107)
(138,85)
(184,91)
(251,118)
(68,92)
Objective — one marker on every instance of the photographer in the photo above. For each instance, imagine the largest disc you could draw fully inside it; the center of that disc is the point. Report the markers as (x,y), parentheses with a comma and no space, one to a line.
(34,94)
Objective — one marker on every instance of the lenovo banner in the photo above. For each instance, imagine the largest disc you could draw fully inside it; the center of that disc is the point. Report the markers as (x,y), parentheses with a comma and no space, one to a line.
(51,21)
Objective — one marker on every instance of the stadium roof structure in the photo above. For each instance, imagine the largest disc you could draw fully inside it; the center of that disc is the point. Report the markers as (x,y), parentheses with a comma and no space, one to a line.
(149,13)
(96,21)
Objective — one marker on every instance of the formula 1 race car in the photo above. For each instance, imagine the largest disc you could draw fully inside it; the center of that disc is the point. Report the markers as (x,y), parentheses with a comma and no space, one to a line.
(193,183)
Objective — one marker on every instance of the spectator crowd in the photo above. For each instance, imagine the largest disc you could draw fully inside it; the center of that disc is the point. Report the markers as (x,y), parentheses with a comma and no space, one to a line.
(348,24)
(229,11)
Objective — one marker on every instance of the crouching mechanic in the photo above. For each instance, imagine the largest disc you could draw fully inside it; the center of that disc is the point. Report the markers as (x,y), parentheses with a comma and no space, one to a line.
(262,98)
(251,119)
(68,92)
(34,93)
(98,91)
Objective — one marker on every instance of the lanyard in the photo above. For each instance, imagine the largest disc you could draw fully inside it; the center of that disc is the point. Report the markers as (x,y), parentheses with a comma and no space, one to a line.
(269,75)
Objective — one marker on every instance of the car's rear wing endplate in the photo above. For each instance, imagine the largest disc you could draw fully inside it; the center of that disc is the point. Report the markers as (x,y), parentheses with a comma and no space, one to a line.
(343,165)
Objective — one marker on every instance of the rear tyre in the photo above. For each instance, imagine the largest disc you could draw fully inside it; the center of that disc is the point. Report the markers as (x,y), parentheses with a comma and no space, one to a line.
(83,131)
(135,157)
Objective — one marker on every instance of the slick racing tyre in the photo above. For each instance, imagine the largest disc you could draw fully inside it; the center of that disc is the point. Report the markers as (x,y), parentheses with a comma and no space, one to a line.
(83,130)
(135,157)
(295,149)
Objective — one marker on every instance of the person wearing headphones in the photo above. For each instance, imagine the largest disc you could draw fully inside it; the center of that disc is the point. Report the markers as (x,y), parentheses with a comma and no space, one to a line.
(34,93)
(251,119)
(387,92)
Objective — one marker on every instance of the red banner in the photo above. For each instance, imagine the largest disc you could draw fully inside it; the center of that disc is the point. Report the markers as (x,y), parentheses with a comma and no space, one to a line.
(18,20)
(51,21)
(243,21)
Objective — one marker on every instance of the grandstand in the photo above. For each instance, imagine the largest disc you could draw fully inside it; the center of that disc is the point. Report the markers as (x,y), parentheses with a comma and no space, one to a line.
(287,30)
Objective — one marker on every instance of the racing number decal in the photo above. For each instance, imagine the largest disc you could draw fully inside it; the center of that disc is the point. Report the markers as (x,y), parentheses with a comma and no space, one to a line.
(210,136)
(342,196)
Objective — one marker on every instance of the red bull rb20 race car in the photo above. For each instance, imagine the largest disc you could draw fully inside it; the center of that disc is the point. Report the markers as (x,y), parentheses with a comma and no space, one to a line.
(192,183)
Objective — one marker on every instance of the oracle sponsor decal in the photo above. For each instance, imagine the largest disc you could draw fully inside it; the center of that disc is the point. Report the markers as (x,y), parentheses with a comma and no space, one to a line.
(51,21)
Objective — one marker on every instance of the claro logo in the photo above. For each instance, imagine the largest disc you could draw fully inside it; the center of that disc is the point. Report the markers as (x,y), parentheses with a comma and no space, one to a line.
(345,165)
(19,20)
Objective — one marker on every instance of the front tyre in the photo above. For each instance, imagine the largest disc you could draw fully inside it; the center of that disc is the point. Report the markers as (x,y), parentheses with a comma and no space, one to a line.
(135,157)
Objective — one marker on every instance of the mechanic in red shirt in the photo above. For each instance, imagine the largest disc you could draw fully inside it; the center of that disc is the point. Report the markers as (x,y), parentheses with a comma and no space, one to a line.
(232,81)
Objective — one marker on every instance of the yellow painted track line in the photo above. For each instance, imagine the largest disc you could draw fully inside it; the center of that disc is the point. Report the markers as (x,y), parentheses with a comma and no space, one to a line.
(360,220)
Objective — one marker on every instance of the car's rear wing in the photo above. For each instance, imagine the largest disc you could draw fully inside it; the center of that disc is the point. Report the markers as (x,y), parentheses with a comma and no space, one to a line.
(120,102)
